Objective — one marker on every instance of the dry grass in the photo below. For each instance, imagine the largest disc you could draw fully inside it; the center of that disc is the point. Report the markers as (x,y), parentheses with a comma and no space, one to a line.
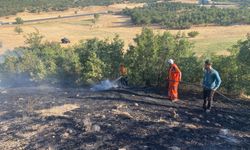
(2,113)
(212,39)
(71,11)
(58,110)
(122,114)
(217,39)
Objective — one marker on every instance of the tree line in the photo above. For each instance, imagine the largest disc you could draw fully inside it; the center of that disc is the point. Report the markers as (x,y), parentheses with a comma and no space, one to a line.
(245,3)
(11,7)
(94,60)
(183,16)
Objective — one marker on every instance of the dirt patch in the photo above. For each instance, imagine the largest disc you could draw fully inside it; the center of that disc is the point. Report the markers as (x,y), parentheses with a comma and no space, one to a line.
(58,110)
(2,113)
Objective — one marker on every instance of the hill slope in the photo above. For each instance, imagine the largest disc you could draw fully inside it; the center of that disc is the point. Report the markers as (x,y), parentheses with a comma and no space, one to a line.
(44,117)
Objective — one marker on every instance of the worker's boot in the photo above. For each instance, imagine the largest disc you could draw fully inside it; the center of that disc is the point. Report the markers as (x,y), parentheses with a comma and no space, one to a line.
(175,100)
(208,107)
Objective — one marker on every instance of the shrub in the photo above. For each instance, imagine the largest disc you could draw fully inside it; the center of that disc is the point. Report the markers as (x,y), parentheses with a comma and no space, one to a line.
(193,34)
(19,20)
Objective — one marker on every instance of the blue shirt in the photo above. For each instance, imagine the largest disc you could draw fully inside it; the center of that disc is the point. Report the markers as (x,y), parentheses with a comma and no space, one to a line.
(211,79)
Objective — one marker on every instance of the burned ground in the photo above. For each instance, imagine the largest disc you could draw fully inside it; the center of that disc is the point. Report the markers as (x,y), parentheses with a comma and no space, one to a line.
(55,118)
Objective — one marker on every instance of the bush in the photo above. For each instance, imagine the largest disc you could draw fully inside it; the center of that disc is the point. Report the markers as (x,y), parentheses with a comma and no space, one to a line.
(191,68)
(110,12)
(193,34)
(228,70)
(19,20)
(107,54)
(244,63)
(68,68)
(33,40)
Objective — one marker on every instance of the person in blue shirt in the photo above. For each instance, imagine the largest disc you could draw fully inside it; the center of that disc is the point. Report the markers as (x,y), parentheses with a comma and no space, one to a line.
(211,82)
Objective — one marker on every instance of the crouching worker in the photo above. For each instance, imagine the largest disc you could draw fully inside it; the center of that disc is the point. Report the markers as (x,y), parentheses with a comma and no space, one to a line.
(211,82)
(174,77)
(123,74)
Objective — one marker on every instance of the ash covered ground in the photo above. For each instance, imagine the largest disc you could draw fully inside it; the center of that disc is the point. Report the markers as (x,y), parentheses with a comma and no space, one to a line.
(66,119)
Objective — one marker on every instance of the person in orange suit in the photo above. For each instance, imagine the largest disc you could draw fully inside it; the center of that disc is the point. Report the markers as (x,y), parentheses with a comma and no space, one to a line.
(174,78)
(123,74)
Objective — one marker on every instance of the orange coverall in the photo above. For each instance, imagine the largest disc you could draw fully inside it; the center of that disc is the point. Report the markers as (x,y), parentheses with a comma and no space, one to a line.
(174,77)
(123,70)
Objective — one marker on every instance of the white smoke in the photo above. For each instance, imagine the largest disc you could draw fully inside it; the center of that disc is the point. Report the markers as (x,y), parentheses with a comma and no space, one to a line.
(1,74)
(11,79)
(105,85)
(2,59)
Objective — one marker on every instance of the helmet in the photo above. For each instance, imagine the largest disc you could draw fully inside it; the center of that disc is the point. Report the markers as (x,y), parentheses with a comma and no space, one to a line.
(170,61)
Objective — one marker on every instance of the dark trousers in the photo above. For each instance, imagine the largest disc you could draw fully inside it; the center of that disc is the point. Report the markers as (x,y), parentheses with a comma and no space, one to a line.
(208,96)
(124,81)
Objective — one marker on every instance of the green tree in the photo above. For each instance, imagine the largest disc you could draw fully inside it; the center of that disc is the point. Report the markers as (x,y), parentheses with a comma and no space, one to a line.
(147,60)
(142,57)
(31,64)
(191,68)
(33,40)
(68,67)
(9,65)
(244,63)
(93,70)
(19,20)
(111,53)
(228,69)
